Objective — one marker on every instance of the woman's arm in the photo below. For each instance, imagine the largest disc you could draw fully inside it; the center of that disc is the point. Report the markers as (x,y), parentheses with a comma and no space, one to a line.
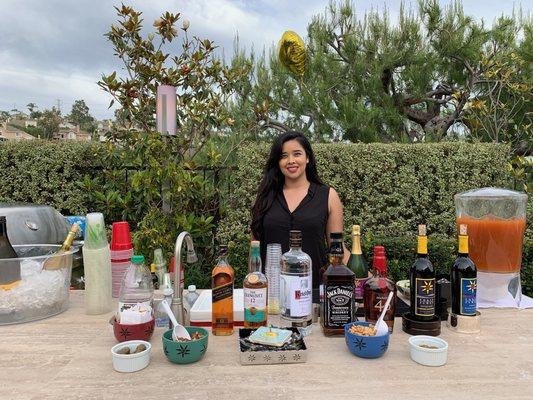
(335,218)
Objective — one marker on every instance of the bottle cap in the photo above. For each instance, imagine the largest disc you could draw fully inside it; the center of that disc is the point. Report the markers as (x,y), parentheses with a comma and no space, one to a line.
(191,288)
(137,259)
(422,231)
(153,267)
(356,230)
(255,243)
(95,236)
(462,230)
(2,218)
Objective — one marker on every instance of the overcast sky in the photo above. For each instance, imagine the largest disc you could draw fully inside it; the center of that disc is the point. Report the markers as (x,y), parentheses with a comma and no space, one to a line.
(54,50)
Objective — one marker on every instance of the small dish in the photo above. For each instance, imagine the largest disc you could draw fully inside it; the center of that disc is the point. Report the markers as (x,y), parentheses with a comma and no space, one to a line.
(428,350)
(131,362)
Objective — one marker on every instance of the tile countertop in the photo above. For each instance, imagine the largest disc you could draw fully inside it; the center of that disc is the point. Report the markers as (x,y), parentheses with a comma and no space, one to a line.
(69,357)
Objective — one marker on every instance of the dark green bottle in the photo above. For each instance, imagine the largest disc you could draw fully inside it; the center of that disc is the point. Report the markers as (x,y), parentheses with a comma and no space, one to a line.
(464,279)
(422,279)
(357,264)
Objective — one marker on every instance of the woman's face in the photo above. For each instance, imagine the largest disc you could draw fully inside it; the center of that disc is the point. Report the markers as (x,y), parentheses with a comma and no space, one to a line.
(293,160)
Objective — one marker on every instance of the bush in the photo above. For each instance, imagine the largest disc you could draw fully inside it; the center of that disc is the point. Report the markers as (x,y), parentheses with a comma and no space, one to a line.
(387,188)
(44,172)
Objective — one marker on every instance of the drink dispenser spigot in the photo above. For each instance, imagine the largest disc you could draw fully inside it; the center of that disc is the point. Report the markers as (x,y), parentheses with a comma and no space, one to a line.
(496,220)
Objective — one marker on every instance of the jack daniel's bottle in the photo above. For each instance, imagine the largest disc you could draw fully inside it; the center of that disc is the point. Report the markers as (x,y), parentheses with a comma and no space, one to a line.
(339,290)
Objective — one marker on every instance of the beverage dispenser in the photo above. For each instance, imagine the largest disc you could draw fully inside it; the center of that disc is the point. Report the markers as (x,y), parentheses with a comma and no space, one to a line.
(496,220)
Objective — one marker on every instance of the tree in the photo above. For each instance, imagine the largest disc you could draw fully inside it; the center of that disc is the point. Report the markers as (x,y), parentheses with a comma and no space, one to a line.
(79,115)
(144,169)
(32,108)
(368,79)
(49,122)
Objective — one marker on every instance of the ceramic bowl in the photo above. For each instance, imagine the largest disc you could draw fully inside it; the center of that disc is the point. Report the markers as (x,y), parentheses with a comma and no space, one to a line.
(125,332)
(365,346)
(131,362)
(185,352)
(428,350)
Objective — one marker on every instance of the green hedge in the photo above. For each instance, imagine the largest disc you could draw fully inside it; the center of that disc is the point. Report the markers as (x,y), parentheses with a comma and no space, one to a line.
(386,188)
(45,172)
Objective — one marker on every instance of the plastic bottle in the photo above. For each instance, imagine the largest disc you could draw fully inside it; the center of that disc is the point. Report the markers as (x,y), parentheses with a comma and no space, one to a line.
(137,286)
(161,317)
(190,298)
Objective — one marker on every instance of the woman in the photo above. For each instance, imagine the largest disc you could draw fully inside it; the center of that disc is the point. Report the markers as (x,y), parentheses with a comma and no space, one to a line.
(292,196)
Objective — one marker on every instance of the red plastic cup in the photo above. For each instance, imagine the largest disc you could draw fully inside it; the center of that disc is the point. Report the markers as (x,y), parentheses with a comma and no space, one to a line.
(120,236)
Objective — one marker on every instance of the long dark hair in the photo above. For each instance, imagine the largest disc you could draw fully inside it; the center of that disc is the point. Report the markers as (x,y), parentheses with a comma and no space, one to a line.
(273,179)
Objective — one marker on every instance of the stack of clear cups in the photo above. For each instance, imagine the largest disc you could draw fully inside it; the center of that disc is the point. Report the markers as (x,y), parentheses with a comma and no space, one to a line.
(121,252)
(272,269)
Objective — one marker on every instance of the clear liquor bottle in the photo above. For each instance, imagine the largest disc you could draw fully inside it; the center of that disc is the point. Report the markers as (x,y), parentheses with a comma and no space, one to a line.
(255,288)
(464,279)
(358,265)
(377,289)
(339,290)
(222,280)
(296,279)
(422,281)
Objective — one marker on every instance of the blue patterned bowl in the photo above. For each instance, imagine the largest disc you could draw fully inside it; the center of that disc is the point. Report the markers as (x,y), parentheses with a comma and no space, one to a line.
(366,346)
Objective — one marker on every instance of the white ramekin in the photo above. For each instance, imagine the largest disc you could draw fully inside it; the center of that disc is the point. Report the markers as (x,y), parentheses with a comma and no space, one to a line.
(131,362)
(425,356)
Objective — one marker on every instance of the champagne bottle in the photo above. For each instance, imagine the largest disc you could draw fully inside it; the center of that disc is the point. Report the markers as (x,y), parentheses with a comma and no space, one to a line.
(464,279)
(9,269)
(357,264)
(57,260)
(422,277)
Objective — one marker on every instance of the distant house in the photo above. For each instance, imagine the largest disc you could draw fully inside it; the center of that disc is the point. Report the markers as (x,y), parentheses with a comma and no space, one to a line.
(102,128)
(72,134)
(9,132)
(23,122)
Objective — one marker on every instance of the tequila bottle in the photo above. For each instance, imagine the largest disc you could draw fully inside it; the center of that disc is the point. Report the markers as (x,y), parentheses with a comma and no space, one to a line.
(422,281)
(464,279)
(296,279)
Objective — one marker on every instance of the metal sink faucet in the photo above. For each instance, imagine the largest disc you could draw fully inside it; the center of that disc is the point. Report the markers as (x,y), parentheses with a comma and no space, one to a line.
(177,299)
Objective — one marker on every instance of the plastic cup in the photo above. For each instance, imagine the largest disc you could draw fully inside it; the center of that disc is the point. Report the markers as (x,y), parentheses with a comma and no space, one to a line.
(95,237)
(121,236)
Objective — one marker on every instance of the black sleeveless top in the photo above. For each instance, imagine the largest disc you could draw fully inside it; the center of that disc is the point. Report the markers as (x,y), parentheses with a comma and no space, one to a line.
(310,217)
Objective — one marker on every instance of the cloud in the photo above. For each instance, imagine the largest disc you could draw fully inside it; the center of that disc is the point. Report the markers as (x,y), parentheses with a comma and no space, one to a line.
(55,49)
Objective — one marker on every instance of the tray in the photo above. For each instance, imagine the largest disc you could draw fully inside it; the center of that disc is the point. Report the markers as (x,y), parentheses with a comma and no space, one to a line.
(272,356)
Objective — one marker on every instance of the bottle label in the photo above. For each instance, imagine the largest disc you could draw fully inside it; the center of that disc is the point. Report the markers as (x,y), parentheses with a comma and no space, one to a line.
(299,296)
(359,289)
(339,307)
(425,297)
(143,305)
(468,296)
(222,292)
(255,304)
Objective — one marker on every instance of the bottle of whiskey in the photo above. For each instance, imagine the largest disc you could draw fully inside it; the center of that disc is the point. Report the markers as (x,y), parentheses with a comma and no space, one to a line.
(339,290)
(222,280)
(255,290)
(464,279)
(377,289)
(296,280)
(422,281)
(357,264)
